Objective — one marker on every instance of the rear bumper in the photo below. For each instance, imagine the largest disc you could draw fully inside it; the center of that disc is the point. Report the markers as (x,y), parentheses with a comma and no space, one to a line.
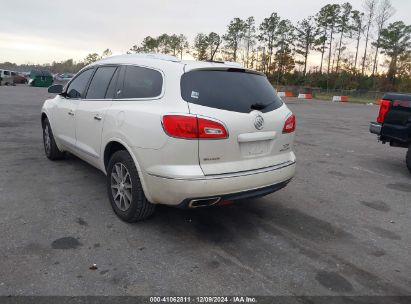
(396,135)
(250,194)
(255,183)
(375,128)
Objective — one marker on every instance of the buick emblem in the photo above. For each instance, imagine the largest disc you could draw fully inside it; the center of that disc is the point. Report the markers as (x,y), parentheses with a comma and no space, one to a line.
(259,122)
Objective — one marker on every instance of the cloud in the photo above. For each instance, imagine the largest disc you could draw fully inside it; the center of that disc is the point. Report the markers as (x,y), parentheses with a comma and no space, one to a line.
(47,30)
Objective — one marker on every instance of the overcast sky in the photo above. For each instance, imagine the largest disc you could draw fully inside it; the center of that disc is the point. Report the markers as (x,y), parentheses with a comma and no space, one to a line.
(47,30)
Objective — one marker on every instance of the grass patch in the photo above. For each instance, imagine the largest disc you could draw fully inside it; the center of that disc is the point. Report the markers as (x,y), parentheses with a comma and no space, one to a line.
(353,99)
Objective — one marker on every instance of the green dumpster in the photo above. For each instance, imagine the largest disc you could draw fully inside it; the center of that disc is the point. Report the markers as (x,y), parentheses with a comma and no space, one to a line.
(40,78)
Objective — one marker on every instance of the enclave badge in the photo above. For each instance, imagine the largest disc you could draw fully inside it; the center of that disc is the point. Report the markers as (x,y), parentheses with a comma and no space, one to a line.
(259,122)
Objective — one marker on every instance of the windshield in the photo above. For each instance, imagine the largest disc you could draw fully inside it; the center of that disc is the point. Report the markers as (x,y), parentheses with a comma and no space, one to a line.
(237,91)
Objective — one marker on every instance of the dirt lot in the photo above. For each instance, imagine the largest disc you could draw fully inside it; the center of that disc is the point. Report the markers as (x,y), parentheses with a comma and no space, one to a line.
(342,226)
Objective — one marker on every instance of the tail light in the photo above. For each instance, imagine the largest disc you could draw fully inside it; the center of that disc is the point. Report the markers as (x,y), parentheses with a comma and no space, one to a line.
(193,127)
(384,108)
(180,126)
(211,129)
(289,125)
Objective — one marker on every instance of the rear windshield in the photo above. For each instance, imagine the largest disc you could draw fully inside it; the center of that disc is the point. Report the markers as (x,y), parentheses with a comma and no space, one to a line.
(234,90)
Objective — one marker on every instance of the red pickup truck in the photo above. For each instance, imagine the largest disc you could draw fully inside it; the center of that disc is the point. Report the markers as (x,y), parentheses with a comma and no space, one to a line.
(393,123)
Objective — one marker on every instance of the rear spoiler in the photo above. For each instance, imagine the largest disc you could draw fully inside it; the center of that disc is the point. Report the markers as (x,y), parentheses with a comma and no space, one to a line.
(227,68)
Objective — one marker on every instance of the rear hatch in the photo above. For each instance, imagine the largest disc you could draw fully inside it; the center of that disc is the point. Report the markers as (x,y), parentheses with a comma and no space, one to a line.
(246,104)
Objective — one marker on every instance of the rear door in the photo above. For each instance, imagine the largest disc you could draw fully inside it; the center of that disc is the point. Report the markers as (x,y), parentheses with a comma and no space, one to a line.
(252,113)
(91,110)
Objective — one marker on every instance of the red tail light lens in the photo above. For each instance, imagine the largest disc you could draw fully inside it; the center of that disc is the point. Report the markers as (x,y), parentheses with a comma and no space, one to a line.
(289,125)
(384,108)
(180,126)
(190,127)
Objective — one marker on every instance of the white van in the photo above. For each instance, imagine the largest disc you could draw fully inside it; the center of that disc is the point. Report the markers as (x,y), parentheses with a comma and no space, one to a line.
(6,77)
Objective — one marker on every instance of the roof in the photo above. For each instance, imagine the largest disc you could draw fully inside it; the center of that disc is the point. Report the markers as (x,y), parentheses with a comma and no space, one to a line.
(162,61)
(397,96)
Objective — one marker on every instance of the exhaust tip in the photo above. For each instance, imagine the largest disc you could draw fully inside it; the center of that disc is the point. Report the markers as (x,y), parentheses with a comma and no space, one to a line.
(206,202)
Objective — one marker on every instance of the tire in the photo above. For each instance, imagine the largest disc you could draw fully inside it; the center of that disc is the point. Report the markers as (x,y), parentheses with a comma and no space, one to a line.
(50,148)
(408,159)
(125,191)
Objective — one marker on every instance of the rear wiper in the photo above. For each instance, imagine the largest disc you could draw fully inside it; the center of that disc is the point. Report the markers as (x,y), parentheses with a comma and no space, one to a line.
(259,106)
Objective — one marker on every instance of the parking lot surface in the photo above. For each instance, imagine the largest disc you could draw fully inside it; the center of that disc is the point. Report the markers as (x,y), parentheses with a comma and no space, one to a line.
(341,227)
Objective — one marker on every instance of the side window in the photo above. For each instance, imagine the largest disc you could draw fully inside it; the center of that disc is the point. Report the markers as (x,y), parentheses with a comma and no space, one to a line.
(141,83)
(100,82)
(113,84)
(6,73)
(77,87)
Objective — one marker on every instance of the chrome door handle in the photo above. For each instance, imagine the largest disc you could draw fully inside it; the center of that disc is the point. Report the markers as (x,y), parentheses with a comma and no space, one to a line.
(71,113)
(98,117)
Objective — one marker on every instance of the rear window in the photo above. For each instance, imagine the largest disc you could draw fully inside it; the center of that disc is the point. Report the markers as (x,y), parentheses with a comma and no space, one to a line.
(233,90)
(141,83)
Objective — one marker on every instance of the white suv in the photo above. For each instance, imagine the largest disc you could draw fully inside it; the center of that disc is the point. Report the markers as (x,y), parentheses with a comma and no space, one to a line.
(181,133)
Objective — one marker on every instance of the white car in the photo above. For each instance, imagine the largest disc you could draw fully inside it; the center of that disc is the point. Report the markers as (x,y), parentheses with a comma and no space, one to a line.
(181,133)
(64,77)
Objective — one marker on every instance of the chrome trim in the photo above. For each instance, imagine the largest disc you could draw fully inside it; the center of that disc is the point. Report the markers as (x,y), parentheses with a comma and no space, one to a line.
(213,200)
(375,128)
(98,117)
(231,175)
(259,122)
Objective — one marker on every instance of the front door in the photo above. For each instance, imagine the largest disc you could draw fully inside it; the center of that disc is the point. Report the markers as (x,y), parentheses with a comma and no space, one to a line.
(64,126)
(65,112)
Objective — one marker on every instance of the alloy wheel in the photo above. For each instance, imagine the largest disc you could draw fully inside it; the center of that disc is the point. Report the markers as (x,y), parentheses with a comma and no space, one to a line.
(47,139)
(121,186)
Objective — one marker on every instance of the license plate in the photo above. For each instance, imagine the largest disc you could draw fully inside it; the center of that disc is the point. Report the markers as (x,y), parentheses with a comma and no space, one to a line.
(255,148)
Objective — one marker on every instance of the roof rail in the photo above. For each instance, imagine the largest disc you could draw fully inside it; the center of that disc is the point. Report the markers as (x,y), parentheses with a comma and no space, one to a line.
(145,55)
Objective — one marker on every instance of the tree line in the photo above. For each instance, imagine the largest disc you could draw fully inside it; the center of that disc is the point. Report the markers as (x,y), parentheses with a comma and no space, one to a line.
(349,48)
(339,47)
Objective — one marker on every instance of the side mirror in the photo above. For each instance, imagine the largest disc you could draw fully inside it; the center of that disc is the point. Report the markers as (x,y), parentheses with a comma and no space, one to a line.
(56,89)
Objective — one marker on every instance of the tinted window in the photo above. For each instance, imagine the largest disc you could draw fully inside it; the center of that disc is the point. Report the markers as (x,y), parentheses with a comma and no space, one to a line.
(112,87)
(141,83)
(229,90)
(100,82)
(6,73)
(78,85)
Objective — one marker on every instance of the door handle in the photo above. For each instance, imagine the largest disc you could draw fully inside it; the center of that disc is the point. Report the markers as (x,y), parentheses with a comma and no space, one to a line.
(71,113)
(98,117)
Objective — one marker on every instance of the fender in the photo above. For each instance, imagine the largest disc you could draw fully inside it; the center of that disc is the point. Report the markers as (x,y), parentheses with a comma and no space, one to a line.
(45,109)
(130,151)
